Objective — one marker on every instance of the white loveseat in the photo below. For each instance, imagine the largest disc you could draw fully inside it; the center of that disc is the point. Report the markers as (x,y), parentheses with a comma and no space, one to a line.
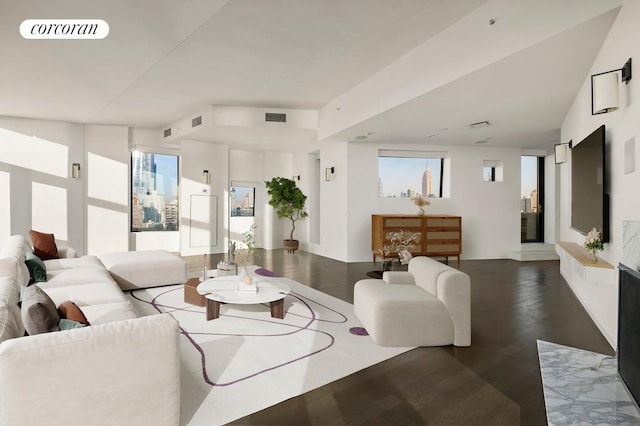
(119,370)
(428,305)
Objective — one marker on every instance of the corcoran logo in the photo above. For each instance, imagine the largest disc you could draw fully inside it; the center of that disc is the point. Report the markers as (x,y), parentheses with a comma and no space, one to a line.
(64,29)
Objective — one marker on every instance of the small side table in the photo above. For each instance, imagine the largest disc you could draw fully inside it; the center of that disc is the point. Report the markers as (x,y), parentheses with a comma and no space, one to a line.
(191,296)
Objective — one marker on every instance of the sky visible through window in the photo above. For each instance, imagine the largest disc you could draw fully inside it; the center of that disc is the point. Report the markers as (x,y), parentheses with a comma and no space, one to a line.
(529,175)
(167,167)
(402,177)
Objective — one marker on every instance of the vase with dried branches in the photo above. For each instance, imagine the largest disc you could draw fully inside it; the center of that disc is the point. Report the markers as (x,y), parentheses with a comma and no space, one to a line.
(420,201)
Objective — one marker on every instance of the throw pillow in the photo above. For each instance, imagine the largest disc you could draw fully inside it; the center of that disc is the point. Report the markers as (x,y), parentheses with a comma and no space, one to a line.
(37,269)
(44,245)
(39,313)
(71,311)
(66,324)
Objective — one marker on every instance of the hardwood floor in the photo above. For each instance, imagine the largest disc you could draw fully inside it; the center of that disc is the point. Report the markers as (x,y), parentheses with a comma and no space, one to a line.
(496,381)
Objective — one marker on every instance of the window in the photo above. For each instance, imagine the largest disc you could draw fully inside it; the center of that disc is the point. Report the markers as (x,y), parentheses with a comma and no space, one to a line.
(154,192)
(532,193)
(492,170)
(403,174)
(242,201)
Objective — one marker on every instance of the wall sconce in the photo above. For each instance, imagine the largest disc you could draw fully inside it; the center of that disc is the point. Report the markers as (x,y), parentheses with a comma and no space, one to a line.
(328,173)
(296,177)
(75,170)
(561,152)
(206,177)
(605,89)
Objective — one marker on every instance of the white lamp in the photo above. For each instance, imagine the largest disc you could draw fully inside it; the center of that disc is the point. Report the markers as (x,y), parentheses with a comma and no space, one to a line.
(561,151)
(606,95)
(605,89)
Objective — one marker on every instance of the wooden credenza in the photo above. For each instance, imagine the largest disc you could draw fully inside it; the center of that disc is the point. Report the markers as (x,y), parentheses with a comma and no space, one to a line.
(441,235)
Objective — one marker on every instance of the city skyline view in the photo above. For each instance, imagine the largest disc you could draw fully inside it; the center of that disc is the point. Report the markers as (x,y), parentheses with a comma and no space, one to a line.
(403,177)
(529,171)
(154,192)
(242,201)
(528,184)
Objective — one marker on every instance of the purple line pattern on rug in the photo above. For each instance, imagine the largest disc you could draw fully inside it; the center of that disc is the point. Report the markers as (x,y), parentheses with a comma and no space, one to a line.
(266,273)
(358,331)
(164,308)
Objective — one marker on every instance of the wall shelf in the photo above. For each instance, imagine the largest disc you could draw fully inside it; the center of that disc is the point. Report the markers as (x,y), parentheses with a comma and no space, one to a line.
(579,258)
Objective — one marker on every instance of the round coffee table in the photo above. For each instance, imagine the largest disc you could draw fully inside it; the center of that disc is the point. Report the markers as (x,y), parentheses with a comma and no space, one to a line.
(221,290)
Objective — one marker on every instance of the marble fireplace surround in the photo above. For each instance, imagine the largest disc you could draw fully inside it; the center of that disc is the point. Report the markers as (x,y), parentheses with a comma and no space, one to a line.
(631,244)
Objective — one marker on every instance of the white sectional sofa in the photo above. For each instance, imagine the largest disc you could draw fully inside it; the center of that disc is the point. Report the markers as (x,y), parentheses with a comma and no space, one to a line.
(119,370)
(428,305)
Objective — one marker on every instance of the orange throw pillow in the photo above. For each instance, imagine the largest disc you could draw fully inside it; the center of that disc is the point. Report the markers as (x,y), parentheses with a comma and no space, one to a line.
(69,310)
(44,245)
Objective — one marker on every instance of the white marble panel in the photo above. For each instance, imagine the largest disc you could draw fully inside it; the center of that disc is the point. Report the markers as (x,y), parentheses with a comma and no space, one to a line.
(578,393)
(631,244)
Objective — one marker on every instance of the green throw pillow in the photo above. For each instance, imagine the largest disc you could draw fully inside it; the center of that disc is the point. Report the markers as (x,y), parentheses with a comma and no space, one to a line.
(66,324)
(37,269)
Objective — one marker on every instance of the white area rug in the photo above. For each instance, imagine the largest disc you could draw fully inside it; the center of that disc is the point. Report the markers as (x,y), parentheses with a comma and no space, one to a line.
(246,361)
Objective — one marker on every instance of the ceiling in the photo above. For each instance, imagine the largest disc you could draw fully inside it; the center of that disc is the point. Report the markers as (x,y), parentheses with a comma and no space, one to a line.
(165,59)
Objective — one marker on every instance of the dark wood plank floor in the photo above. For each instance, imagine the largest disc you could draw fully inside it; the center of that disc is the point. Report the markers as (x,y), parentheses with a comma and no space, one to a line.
(496,381)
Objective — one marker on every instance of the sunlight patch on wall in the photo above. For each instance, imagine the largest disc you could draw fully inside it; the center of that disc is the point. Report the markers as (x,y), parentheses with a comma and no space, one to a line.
(104,230)
(203,221)
(49,210)
(33,153)
(104,180)
(5,211)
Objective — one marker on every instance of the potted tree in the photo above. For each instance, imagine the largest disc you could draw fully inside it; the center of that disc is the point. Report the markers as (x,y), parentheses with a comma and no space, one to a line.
(288,201)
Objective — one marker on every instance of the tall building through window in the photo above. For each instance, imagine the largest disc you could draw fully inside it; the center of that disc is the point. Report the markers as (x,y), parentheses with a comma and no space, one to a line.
(427,182)
(154,192)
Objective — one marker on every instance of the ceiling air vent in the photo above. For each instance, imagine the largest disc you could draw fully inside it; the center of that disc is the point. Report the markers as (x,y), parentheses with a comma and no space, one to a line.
(196,121)
(167,132)
(480,124)
(275,117)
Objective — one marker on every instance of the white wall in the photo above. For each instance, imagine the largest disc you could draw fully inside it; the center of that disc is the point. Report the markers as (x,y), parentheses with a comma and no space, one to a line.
(246,169)
(490,210)
(35,179)
(92,213)
(205,222)
(551,196)
(107,188)
(333,202)
(622,125)
(277,164)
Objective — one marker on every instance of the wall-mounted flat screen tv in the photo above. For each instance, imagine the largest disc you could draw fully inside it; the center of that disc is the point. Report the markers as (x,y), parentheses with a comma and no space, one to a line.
(589,201)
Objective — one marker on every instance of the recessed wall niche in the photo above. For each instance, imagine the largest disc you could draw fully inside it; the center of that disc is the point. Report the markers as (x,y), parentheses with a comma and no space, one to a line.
(492,170)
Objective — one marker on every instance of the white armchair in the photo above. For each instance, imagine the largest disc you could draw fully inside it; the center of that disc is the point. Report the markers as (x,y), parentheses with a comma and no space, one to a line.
(429,305)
